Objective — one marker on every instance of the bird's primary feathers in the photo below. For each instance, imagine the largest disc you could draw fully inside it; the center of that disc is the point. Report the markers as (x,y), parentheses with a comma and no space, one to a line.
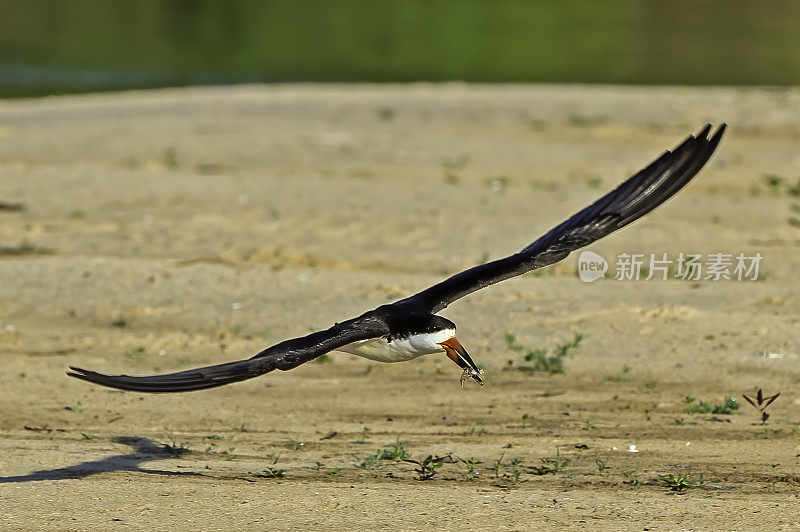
(410,327)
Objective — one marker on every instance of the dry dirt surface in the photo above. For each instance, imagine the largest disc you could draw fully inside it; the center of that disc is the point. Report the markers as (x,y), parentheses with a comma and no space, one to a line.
(163,230)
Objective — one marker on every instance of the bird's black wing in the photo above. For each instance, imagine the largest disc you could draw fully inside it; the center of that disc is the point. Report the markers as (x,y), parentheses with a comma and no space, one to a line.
(634,198)
(284,356)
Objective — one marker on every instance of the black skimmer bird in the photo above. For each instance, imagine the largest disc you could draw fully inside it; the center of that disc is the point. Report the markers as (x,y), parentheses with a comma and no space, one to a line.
(409,328)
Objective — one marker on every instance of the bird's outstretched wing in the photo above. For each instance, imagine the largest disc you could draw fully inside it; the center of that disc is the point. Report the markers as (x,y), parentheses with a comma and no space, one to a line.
(284,356)
(634,198)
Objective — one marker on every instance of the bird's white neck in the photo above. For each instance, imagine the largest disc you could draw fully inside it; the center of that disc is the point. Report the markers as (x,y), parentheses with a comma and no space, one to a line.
(400,349)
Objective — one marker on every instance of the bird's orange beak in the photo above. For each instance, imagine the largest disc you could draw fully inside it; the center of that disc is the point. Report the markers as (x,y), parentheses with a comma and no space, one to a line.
(456,352)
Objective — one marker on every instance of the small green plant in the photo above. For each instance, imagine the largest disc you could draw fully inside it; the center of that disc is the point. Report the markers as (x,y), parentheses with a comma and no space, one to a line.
(77,407)
(552,465)
(514,475)
(171,158)
(471,472)
(498,466)
(525,418)
(295,445)
(590,425)
(602,466)
(86,436)
(679,482)
(324,359)
(241,427)
(273,457)
(479,428)
(396,453)
(364,436)
(335,471)
(24,248)
(594,182)
(622,376)
(271,472)
(631,481)
(369,463)
(539,361)
(728,406)
(794,190)
(773,182)
(683,421)
(386,114)
(427,468)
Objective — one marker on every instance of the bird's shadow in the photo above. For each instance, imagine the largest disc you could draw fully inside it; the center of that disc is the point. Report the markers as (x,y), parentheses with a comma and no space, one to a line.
(144,450)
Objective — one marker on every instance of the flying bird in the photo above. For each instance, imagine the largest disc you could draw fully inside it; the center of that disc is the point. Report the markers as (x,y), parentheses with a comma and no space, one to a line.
(410,328)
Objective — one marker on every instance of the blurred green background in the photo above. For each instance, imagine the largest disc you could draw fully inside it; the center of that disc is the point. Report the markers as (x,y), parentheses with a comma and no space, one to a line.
(57,46)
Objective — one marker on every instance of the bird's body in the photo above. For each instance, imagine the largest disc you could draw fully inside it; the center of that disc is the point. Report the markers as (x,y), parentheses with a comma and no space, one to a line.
(400,349)
(410,328)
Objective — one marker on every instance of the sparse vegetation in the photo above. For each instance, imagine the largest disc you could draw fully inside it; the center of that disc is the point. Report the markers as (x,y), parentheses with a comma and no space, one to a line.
(369,463)
(271,472)
(514,474)
(594,182)
(324,359)
(77,407)
(396,453)
(470,463)
(537,360)
(171,158)
(552,465)
(630,480)
(294,445)
(24,248)
(678,482)
(728,406)
(427,468)
(452,168)
(479,428)
(602,467)
(622,376)
(773,182)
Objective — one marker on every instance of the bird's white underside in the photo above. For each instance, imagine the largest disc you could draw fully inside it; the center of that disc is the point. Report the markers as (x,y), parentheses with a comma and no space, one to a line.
(400,349)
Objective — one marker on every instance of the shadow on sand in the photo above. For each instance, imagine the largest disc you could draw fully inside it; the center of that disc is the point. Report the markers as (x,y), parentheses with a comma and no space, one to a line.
(144,451)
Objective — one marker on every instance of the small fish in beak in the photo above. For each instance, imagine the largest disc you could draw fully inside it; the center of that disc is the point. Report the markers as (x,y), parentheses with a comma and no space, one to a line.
(456,352)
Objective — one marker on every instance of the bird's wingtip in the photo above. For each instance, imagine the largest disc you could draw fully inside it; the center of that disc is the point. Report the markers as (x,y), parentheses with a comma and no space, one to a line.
(704,132)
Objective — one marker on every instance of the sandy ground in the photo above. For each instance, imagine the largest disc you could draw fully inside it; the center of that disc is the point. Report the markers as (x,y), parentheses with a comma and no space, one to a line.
(169,229)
